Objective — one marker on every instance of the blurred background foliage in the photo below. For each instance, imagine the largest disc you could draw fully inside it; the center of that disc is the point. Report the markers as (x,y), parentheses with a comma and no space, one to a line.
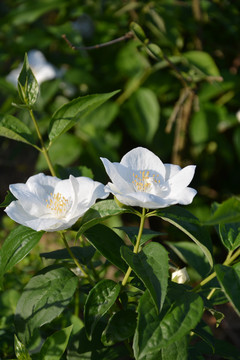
(182,107)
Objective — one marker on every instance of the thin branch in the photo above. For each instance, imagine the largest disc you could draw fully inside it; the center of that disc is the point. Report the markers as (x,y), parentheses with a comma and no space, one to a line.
(127,36)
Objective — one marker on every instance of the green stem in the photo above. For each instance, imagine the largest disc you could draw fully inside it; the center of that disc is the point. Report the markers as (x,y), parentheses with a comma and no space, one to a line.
(44,150)
(136,247)
(73,256)
(229,260)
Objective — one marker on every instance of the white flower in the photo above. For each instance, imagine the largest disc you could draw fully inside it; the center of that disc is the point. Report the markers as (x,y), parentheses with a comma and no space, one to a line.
(180,276)
(141,179)
(42,69)
(50,204)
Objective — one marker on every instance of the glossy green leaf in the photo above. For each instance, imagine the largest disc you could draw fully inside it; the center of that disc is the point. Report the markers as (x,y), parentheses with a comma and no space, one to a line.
(190,225)
(13,128)
(16,246)
(176,351)
(69,114)
(43,299)
(100,212)
(230,235)
(20,350)
(27,84)
(132,232)
(83,254)
(108,243)
(151,266)
(229,279)
(145,120)
(100,299)
(121,326)
(191,254)
(55,345)
(157,331)
(226,213)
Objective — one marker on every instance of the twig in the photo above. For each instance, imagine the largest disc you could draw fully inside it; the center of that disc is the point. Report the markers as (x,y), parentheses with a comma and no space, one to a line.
(127,36)
(176,110)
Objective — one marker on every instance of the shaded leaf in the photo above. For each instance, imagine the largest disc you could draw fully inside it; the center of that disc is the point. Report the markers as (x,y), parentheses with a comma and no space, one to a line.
(230,235)
(156,331)
(191,254)
(190,225)
(99,301)
(83,254)
(151,266)
(100,212)
(108,243)
(55,345)
(43,299)
(8,199)
(121,326)
(229,279)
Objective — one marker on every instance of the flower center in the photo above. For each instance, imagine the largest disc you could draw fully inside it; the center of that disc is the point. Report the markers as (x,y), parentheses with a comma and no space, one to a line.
(58,204)
(143,182)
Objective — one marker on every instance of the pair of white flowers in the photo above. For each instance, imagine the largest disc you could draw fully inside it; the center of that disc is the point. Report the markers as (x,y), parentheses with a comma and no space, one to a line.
(140,179)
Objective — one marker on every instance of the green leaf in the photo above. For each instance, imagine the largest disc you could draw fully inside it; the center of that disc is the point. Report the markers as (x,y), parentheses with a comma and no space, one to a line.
(156,331)
(27,84)
(191,254)
(83,254)
(226,213)
(16,246)
(8,199)
(100,299)
(229,279)
(203,62)
(20,350)
(144,110)
(132,232)
(43,299)
(69,114)
(190,225)
(177,350)
(100,212)
(13,128)
(121,326)
(151,266)
(230,235)
(55,345)
(108,243)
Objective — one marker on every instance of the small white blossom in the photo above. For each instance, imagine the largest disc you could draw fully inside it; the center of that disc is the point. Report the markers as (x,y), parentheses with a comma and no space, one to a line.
(42,69)
(141,179)
(50,204)
(238,115)
(180,276)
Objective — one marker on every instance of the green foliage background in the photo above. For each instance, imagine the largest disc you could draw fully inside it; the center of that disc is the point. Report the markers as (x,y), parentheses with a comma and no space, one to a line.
(199,42)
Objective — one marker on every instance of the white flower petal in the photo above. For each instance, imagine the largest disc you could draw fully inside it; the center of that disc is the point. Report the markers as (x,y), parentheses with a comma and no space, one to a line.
(50,204)
(143,159)
(185,197)
(120,175)
(171,170)
(182,179)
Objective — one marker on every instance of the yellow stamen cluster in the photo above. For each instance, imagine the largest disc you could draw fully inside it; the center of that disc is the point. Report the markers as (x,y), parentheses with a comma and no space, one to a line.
(143,181)
(58,204)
